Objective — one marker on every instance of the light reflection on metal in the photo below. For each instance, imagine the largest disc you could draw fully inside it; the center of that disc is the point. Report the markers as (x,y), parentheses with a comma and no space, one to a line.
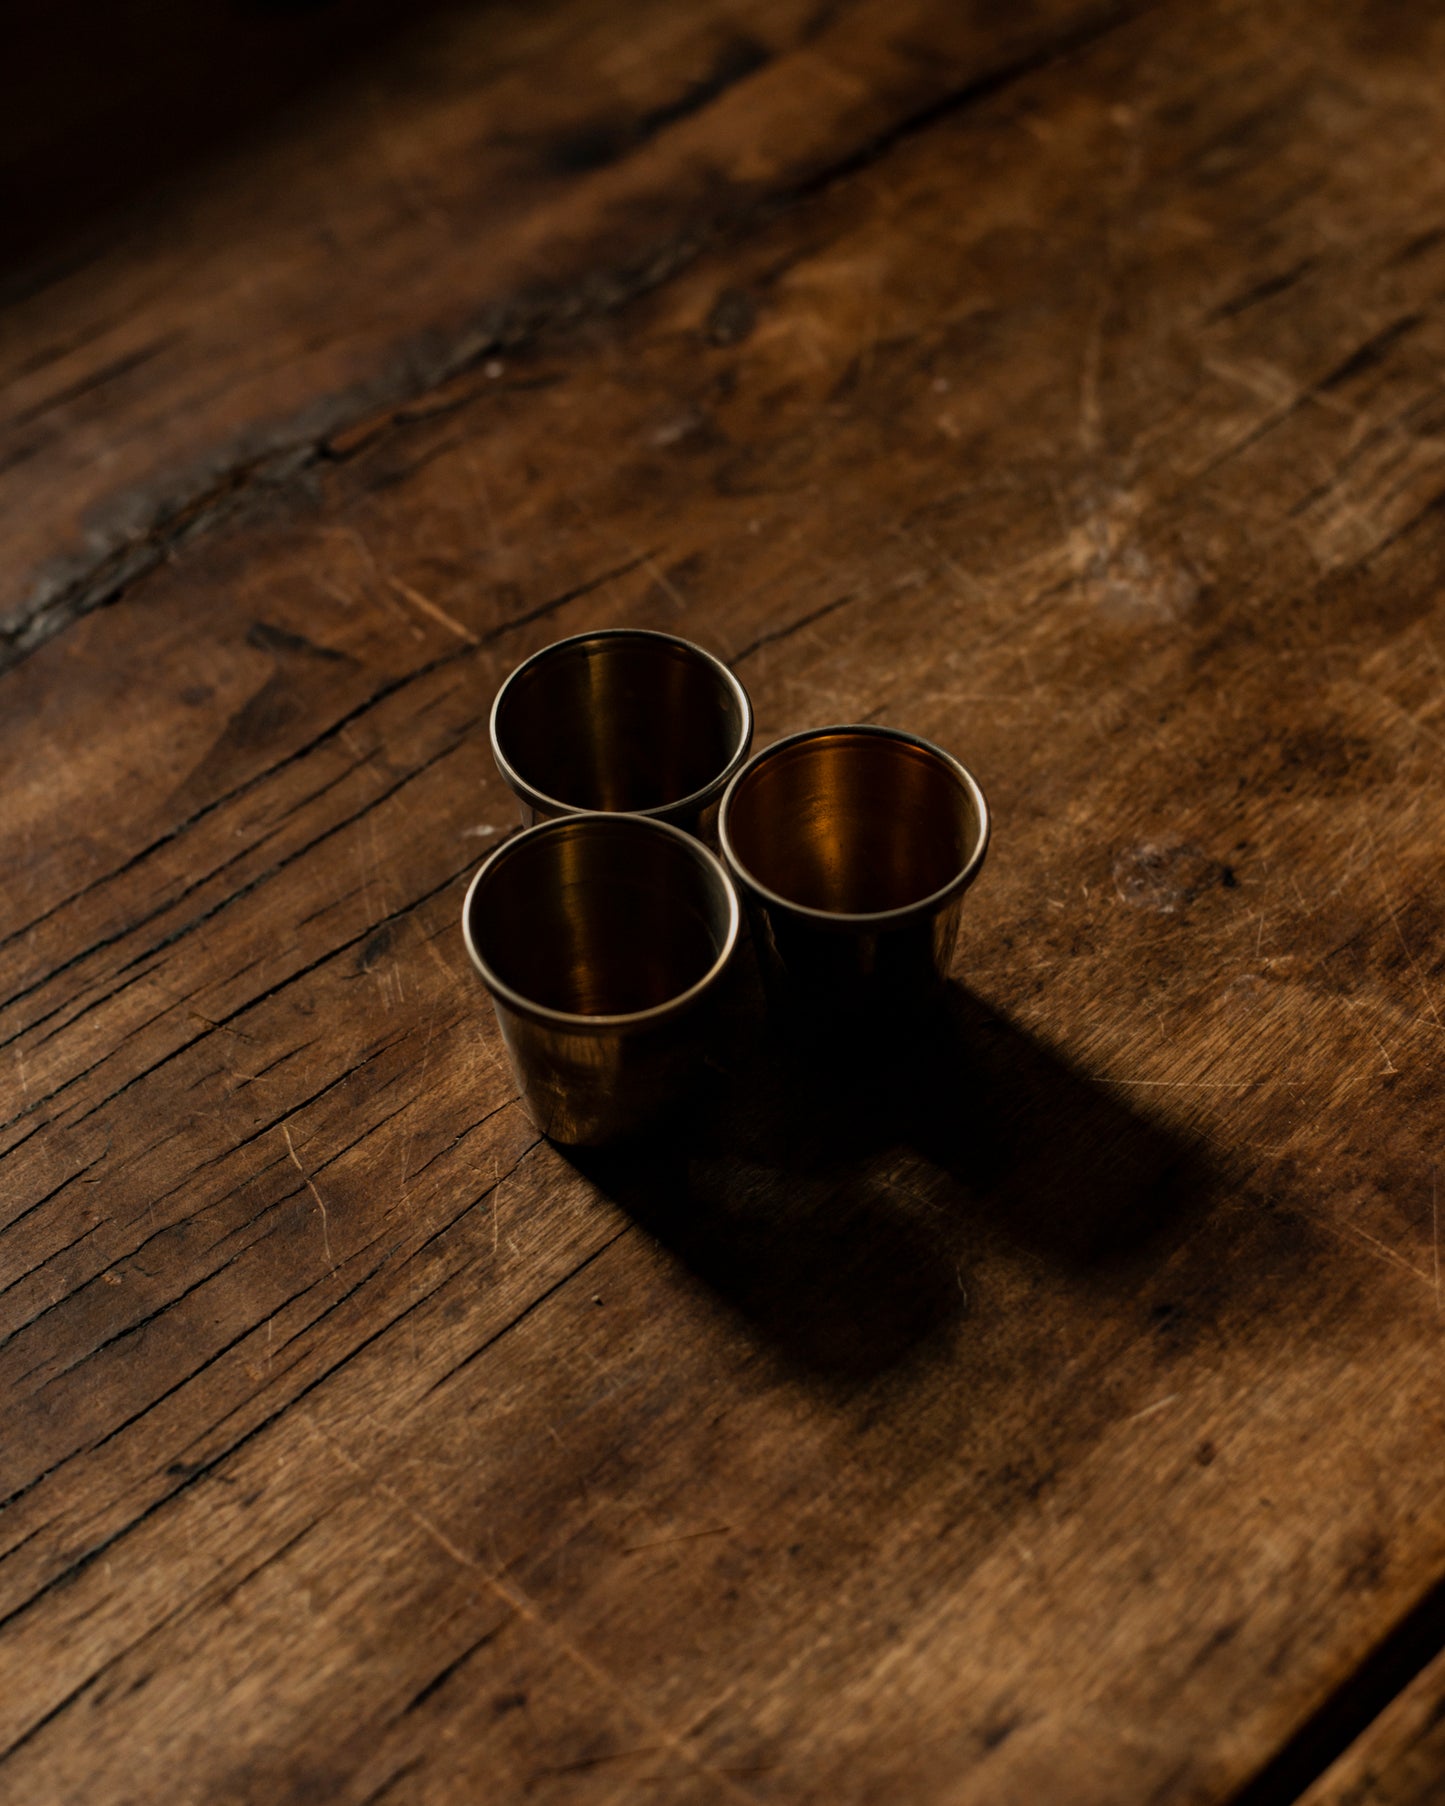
(621,719)
(853,847)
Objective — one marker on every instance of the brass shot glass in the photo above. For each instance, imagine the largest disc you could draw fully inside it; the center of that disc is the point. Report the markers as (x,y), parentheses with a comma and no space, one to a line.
(601,939)
(853,847)
(621,720)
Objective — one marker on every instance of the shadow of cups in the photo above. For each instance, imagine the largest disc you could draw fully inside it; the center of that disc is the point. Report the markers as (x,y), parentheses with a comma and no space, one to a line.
(1037,1148)
(816,1257)
(833,1190)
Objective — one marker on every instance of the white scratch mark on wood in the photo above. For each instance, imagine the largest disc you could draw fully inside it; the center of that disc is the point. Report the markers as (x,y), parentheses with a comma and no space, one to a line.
(1429,1001)
(435,952)
(1024,1553)
(420,1093)
(437,613)
(492,371)
(1391,1254)
(320,1201)
(1390,1065)
(377,587)
(524,1607)
(683,1536)
(1185,1084)
(655,570)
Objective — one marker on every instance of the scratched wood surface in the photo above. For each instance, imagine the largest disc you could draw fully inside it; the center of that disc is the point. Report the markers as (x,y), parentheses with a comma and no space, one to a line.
(1048,1411)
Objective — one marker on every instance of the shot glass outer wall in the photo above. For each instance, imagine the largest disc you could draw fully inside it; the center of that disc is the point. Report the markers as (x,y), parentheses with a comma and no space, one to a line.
(591,1079)
(823,966)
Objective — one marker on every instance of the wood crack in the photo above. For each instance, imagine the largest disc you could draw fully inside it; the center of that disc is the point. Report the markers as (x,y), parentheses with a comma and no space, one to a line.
(181,827)
(536,1304)
(1345,1712)
(159,1310)
(786,633)
(439,1680)
(177,1614)
(504,325)
(383,694)
(226,1154)
(201,1469)
(241,1008)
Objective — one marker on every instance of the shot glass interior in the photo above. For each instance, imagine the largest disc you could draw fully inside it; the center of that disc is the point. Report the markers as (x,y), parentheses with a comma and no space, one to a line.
(601,917)
(852,823)
(620,723)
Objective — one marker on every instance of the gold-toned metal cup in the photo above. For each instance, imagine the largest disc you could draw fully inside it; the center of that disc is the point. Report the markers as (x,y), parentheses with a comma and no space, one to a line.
(853,847)
(602,939)
(621,720)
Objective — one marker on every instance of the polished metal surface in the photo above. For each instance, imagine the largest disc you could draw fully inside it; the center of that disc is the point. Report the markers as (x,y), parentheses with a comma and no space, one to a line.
(621,719)
(853,847)
(601,939)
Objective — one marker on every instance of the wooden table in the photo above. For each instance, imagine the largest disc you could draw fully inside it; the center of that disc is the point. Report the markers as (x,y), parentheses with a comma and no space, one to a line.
(1061,381)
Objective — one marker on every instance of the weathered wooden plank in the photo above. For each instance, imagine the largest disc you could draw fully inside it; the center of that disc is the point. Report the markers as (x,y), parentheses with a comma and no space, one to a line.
(501,167)
(1072,1412)
(1400,1758)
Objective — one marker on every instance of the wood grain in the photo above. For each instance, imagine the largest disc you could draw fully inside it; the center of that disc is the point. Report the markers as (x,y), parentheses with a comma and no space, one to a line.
(1049,1410)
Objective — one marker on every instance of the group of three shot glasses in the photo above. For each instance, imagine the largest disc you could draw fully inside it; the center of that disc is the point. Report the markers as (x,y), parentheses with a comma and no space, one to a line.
(602,930)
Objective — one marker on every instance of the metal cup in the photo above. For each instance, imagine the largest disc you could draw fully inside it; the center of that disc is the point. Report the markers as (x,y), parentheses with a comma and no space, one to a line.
(601,939)
(853,847)
(625,720)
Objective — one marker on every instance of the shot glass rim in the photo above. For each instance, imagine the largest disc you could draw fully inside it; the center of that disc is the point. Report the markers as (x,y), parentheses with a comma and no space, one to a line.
(696,799)
(873,918)
(624,821)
